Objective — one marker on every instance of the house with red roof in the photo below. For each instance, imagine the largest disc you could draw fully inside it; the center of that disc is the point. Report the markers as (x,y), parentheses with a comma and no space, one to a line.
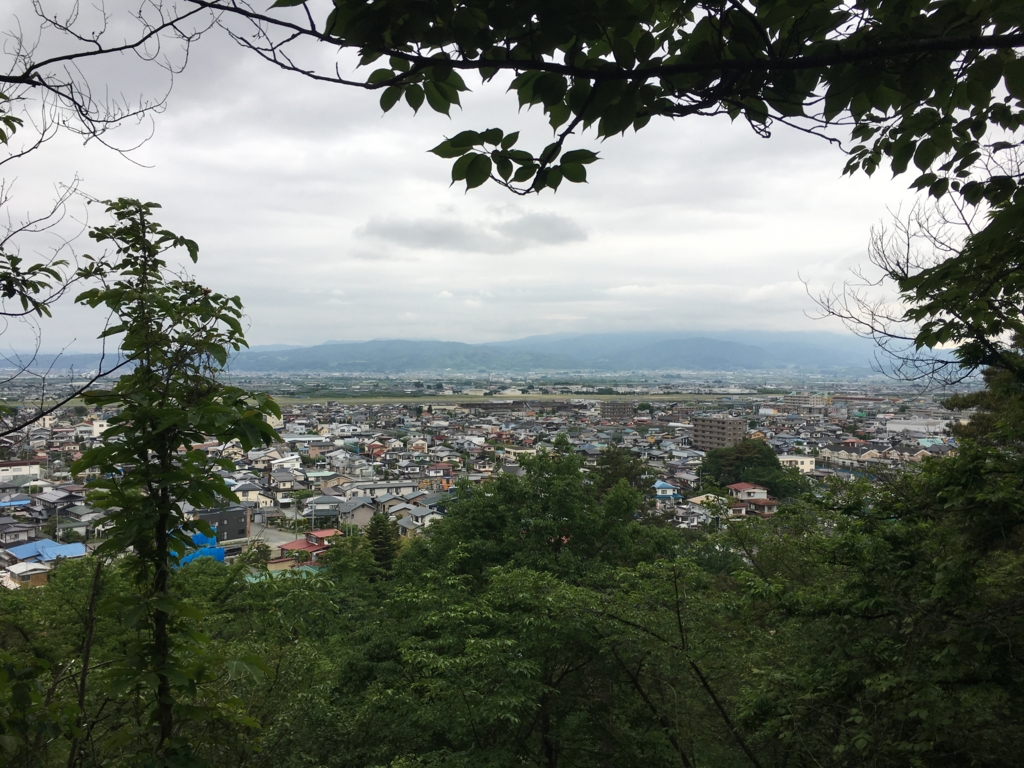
(315,543)
(751,499)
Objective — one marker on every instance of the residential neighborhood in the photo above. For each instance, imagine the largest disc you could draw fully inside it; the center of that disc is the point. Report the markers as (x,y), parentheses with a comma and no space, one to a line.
(337,464)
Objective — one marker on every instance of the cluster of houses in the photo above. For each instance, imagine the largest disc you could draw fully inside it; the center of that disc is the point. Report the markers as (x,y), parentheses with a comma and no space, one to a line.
(338,464)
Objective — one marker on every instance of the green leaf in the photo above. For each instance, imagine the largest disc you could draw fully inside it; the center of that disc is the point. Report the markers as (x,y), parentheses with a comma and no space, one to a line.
(524,173)
(509,141)
(1013,77)
(623,52)
(519,156)
(248,665)
(492,135)
(939,188)
(449,94)
(461,167)
(550,153)
(618,117)
(925,154)
(574,172)
(584,156)
(445,149)
(465,139)
(437,102)
(504,167)
(414,97)
(646,46)
(379,76)
(390,97)
(559,115)
(478,172)
(441,71)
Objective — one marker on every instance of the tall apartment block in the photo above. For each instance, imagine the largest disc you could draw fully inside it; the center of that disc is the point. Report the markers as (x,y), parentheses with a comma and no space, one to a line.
(618,411)
(717,431)
(804,401)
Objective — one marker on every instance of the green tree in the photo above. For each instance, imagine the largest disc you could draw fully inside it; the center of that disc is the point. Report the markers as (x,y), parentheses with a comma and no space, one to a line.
(999,407)
(550,520)
(257,554)
(382,537)
(752,461)
(873,602)
(974,299)
(178,335)
(615,464)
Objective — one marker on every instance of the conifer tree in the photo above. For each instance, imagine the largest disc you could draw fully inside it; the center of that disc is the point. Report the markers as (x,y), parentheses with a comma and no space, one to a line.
(382,535)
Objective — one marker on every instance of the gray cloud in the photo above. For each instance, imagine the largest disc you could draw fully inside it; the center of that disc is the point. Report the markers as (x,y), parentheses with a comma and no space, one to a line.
(288,185)
(542,229)
(507,236)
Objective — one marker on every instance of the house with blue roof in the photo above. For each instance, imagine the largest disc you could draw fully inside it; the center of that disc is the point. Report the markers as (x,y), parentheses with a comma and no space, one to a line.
(666,495)
(665,490)
(43,551)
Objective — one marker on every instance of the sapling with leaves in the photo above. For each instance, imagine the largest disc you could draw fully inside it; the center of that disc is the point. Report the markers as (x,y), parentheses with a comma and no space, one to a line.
(178,336)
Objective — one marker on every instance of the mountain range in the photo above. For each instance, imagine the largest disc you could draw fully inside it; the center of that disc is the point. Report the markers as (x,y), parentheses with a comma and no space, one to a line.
(730,351)
(604,352)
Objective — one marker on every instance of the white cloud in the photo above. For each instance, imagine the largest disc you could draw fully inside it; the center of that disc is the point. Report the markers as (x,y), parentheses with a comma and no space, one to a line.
(452,235)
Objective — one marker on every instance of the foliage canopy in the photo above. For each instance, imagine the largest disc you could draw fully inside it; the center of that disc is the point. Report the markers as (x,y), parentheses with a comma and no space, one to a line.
(752,461)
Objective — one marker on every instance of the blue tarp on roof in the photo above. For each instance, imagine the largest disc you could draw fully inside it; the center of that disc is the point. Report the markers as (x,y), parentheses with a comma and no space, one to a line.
(207,547)
(45,551)
(217,553)
(202,540)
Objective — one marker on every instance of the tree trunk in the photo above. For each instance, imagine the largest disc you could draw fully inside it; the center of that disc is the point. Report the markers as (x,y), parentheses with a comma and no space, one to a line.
(161,636)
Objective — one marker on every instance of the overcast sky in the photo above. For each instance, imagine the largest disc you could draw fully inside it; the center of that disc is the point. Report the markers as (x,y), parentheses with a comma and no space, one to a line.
(331,221)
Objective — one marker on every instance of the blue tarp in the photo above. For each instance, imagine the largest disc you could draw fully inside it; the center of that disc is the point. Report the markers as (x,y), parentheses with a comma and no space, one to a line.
(217,553)
(202,540)
(206,547)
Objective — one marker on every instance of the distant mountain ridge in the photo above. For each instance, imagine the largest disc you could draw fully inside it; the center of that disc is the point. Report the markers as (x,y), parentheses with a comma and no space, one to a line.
(606,352)
(656,351)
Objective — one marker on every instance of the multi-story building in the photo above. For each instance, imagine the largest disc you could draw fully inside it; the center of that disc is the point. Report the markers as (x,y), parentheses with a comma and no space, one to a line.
(804,463)
(610,409)
(28,470)
(681,413)
(230,523)
(803,401)
(717,431)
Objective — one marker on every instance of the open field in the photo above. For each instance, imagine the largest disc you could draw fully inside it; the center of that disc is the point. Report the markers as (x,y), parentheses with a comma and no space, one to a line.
(403,399)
